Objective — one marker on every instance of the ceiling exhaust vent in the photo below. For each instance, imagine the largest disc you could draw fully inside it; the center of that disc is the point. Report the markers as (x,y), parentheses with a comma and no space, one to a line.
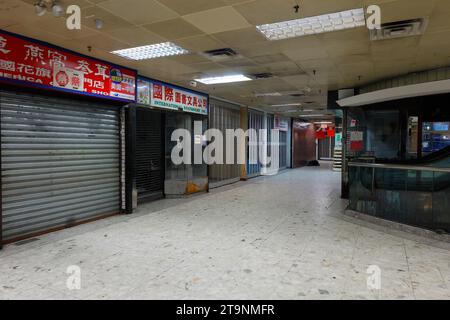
(399,29)
(220,54)
(264,75)
(297,95)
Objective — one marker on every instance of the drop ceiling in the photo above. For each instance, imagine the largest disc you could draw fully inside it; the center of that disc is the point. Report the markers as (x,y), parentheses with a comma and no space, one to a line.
(303,69)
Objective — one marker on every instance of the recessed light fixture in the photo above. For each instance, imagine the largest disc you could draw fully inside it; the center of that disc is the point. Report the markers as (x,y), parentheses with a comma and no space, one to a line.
(286,105)
(224,79)
(314,25)
(151,51)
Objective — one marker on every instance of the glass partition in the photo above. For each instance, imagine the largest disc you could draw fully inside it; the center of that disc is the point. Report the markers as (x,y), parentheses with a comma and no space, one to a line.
(415,196)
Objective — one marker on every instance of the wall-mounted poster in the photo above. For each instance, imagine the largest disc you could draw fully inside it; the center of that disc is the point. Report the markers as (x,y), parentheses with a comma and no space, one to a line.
(356,141)
(280,123)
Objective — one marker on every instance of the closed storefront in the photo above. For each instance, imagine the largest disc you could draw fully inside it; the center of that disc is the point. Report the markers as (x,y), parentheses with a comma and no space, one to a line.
(325,148)
(149,154)
(163,110)
(303,144)
(283,125)
(255,124)
(62,147)
(60,162)
(223,116)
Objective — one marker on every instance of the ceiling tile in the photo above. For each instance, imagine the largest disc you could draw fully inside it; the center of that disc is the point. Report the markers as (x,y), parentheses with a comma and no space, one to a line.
(184,7)
(189,59)
(200,43)
(267,11)
(270,58)
(310,8)
(217,20)
(240,37)
(139,11)
(173,29)
(103,42)
(110,21)
(135,36)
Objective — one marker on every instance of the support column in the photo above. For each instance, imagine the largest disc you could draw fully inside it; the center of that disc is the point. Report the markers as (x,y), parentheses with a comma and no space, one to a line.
(130,160)
(344,180)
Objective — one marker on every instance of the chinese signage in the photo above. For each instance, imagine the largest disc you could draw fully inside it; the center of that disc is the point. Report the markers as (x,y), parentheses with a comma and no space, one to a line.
(281,124)
(43,65)
(338,140)
(165,96)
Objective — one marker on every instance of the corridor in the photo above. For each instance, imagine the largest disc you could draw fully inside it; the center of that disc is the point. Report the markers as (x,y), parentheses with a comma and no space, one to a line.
(278,237)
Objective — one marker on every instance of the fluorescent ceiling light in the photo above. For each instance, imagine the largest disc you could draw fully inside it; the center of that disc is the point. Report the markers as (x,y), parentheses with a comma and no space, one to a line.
(286,105)
(323,122)
(268,94)
(314,25)
(315,115)
(224,79)
(151,51)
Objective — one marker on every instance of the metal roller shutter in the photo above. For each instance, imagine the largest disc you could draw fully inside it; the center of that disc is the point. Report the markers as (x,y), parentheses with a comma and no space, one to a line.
(223,116)
(149,168)
(255,121)
(60,163)
(283,149)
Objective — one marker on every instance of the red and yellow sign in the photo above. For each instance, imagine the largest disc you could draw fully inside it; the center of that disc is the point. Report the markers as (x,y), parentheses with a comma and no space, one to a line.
(40,64)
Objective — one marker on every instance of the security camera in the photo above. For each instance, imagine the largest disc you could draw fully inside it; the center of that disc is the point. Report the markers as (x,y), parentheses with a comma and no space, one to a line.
(193,83)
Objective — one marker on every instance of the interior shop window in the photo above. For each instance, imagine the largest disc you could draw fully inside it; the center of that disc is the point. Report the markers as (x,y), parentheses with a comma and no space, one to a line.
(374,133)
(435,136)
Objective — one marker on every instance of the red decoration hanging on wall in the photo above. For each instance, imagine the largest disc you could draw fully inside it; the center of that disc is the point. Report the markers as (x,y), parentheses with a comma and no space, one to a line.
(320,135)
(331,132)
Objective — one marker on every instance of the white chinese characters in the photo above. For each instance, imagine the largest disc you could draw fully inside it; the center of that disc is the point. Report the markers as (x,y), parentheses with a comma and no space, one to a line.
(3,43)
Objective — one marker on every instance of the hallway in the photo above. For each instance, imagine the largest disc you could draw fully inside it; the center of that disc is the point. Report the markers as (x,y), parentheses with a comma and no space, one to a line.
(280,237)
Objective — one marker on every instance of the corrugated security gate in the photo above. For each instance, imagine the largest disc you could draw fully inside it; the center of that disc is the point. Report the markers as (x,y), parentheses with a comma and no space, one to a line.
(149,151)
(255,121)
(59,163)
(223,116)
(283,149)
(326,148)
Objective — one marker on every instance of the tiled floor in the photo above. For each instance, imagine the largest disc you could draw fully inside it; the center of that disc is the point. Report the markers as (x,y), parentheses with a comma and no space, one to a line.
(280,237)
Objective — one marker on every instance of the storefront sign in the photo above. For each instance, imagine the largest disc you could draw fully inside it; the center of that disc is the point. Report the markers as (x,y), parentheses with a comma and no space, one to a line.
(281,124)
(356,141)
(338,140)
(163,95)
(32,62)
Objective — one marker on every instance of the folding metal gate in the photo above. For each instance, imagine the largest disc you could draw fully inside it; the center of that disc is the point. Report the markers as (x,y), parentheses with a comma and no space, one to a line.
(223,116)
(59,163)
(283,149)
(256,122)
(149,153)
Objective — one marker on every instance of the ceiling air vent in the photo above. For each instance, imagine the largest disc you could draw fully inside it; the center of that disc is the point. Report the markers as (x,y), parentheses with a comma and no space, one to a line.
(264,75)
(399,29)
(220,54)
